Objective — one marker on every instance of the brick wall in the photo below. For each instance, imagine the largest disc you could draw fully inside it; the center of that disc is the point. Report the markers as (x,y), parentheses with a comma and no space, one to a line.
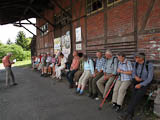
(113,27)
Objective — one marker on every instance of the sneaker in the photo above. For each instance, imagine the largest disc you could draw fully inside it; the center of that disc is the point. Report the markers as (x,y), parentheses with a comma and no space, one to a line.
(97,98)
(114,105)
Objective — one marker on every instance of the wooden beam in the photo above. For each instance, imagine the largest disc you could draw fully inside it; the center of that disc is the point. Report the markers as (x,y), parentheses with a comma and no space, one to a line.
(28,30)
(38,14)
(56,3)
(35,25)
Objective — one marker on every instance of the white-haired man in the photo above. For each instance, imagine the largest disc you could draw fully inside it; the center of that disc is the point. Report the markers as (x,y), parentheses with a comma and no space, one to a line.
(110,71)
(9,74)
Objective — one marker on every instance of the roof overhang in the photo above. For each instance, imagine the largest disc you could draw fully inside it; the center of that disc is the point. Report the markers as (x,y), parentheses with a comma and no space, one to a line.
(16,10)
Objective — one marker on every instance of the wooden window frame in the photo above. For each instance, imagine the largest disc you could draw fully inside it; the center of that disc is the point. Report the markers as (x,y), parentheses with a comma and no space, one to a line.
(95,11)
(44,28)
(113,3)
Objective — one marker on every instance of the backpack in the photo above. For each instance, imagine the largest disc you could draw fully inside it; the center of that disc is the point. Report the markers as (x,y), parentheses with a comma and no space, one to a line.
(146,65)
(147,62)
(113,60)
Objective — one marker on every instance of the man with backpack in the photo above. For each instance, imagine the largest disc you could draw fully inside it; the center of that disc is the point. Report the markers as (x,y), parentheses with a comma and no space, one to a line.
(123,82)
(142,76)
(100,61)
(110,71)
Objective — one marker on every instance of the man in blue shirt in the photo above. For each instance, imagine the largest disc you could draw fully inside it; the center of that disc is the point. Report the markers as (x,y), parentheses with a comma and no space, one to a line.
(100,61)
(110,71)
(142,76)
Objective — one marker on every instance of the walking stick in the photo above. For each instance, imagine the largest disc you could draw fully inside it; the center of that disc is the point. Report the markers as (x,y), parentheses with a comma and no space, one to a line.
(101,105)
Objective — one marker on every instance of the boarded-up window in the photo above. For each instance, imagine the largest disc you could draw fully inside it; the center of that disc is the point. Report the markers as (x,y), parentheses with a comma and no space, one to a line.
(112,2)
(94,5)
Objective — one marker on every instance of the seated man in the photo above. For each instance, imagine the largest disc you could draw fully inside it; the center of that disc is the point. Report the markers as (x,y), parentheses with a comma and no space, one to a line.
(73,69)
(142,76)
(100,61)
(125,75)
(88,72)
(110,71)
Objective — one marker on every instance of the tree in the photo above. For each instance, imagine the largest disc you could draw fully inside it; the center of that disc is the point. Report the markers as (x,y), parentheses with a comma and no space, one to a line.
(9,42)
(1,42)
(22,41)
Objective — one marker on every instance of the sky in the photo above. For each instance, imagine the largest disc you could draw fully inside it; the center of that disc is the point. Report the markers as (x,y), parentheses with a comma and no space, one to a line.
(10,32)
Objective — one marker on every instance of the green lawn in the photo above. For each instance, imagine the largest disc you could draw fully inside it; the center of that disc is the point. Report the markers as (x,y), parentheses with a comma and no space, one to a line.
(25,63)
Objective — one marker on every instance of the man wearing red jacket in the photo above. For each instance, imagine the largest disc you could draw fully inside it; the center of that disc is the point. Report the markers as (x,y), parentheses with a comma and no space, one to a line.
(9,74)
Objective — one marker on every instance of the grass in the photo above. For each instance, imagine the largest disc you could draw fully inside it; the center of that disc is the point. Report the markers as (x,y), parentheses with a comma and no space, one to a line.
(25,63)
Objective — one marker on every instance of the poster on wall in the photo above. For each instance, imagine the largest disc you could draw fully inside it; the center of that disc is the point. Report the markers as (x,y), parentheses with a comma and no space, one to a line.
(79,46)
(78,34)
(57,45)
(66,44)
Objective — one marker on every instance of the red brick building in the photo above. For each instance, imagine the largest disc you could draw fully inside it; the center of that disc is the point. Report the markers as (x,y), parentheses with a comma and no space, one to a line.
(120,25)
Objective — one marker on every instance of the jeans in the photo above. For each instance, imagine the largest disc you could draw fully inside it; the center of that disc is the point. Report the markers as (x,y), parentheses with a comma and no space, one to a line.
(70,76)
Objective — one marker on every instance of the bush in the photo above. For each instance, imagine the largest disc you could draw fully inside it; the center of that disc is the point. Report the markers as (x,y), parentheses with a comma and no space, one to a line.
(27,55)
(17,51)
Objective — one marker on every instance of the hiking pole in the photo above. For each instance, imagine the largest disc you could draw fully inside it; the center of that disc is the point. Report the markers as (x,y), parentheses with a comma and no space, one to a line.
(101,105)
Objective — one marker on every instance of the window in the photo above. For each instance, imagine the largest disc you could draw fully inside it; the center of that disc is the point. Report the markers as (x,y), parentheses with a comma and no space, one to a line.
(62,18)
(44,28)
(112,2)
(94,5)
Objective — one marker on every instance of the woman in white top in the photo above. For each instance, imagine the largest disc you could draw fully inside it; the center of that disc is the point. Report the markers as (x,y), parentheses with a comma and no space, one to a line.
(88,72)
(62,66)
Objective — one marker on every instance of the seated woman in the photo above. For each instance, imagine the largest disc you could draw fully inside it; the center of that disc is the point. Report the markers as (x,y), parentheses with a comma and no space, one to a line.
(34,62)
(78,74)
(123,82)
(61,66)
(88,72)
(43,65)
(52,65)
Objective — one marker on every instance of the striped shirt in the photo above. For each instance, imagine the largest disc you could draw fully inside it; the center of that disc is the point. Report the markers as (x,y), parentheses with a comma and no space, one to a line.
(125,66)
(99,64)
